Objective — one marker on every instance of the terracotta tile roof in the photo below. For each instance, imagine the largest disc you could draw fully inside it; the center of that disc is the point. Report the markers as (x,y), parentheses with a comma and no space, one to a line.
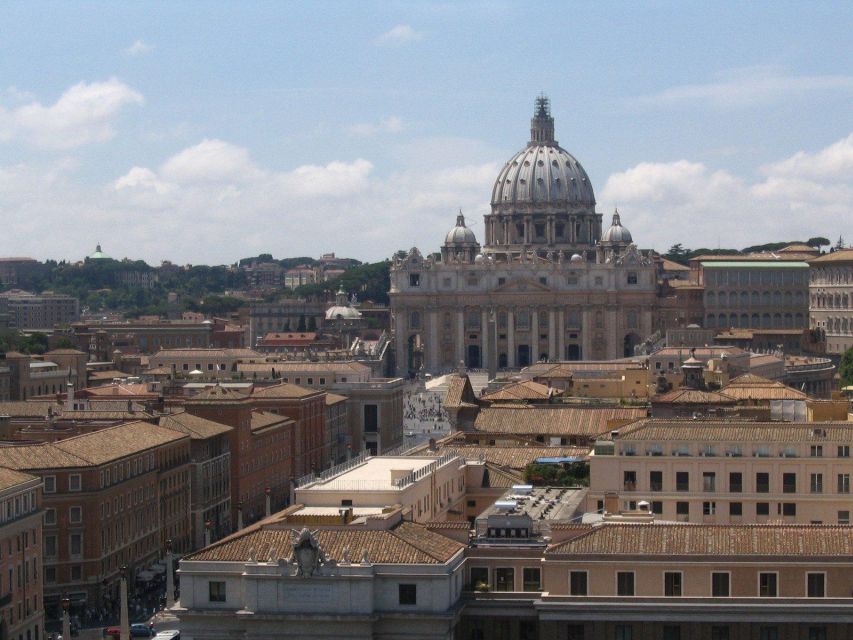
(283,390)
(510,457)
(554,420)
(700,352)
(28,408)
(217,393)
(752,387)
(692,396)
(119,390)
(306,367)
(685,284)
(671,265)
(664,430)
(65,352)
(262,420)
(10,478)
(107,374)
(198,428)
(657,539)
(521,391)
(407,543)
(90,449)
(334,398)
(567,369)
(460,393)
(843,255)
(191,352)
(755,257)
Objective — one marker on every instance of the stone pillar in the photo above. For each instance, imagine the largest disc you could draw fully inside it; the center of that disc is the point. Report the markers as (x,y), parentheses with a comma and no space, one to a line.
(170,578)
(460,336)
(124,625)
(534,335)
(552,335)
(66,618)
(484,339)
(588,328)
(400,343)
(561,334)
(432,347)
(615,345)
(510,338)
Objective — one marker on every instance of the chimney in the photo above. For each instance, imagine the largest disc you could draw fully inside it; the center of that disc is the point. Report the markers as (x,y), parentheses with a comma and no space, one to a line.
(69,396)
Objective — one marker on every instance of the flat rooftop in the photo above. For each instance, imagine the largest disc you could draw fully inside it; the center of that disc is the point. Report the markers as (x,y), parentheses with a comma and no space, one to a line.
(542,503)
(374,474)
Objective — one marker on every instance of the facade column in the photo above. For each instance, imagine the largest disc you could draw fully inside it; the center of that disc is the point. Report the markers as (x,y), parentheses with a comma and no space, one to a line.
(615,346)
(561,334)
(432,347)
(587,329)
(460,336)
(510,338)
(484,338)
(400,343)
(534,335)
(552,335)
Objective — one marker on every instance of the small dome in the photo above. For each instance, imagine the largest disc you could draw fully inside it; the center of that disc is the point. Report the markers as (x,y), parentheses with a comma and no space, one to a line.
(342,313)
(98,254)
(460,235)
(617,233)
(576,258)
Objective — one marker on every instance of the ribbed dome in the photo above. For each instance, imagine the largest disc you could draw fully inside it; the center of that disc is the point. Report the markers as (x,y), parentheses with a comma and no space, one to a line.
(543,173)
(460,235)
(616,232)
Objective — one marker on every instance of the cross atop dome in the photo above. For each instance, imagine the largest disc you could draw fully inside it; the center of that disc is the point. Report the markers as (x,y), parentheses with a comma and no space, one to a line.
(542,124)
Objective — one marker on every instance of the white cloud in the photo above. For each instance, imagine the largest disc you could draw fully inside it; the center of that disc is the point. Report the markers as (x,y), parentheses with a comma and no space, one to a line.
(83,114)
(138,48)
(399,34)
(391,124)
(797,198)
(746,87)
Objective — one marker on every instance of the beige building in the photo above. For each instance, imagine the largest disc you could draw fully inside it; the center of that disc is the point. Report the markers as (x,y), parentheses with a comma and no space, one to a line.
(548,282)
(727,472)
(831,299)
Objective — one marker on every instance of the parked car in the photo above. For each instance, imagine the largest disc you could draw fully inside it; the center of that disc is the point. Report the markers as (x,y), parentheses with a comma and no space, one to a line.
(171,634)
(140,630)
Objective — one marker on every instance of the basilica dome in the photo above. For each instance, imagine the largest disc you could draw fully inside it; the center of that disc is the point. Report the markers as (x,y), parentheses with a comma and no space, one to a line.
(460,235)
(543,173)
(617,233)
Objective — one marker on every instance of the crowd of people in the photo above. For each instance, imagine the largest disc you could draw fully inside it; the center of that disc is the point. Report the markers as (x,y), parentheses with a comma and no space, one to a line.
(423,412)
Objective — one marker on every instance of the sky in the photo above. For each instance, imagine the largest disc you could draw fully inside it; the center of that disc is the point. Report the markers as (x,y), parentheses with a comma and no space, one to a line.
(204,132)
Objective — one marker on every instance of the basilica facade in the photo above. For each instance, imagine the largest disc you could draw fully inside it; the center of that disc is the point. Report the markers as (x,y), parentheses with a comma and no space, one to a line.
(546,284)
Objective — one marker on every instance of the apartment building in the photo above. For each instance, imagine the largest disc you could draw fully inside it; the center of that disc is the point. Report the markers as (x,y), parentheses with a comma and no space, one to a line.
(831,299)
(38,311)
(727,472)
(111,498)
(21,513)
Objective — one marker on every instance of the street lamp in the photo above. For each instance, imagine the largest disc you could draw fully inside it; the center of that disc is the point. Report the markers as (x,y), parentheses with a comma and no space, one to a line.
(125,620)
(66,618)
(170,579)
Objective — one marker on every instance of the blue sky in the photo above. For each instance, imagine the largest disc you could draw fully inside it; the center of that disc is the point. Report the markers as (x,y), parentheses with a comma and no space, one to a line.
(203,132)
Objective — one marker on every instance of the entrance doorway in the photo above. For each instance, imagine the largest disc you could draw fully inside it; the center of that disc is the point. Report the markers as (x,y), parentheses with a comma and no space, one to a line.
(523,355)
(473,356)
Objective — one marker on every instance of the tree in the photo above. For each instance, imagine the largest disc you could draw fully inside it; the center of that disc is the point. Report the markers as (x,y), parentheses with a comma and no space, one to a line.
(677,253)
(845,368)
(817,242)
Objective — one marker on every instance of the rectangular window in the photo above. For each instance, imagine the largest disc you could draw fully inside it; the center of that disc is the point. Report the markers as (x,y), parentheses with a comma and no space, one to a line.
(577,583)
(624,583)
(657,507)
(768,633)
(50,546)
(682,509)
(414,279)
(50,516)
(505,579)
(735,508)
(789,483)
(671,632)
(816,451)
(709,508)
(719,632)
(50,484)
(531,579)
(735,482)
(216,591)
(682,481)
(816,585)
(573,632)
(74,482)
(843,483)
(720,584)
(479,577)
(408,593)
(762,508)
(816,482)
(629,480)
(75,544)
(843,517)
(672,583)
(767,585)
(817,633)
(789,509)
(762,482)
(75,515)
(623,632)
(709,481)
(843,451)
